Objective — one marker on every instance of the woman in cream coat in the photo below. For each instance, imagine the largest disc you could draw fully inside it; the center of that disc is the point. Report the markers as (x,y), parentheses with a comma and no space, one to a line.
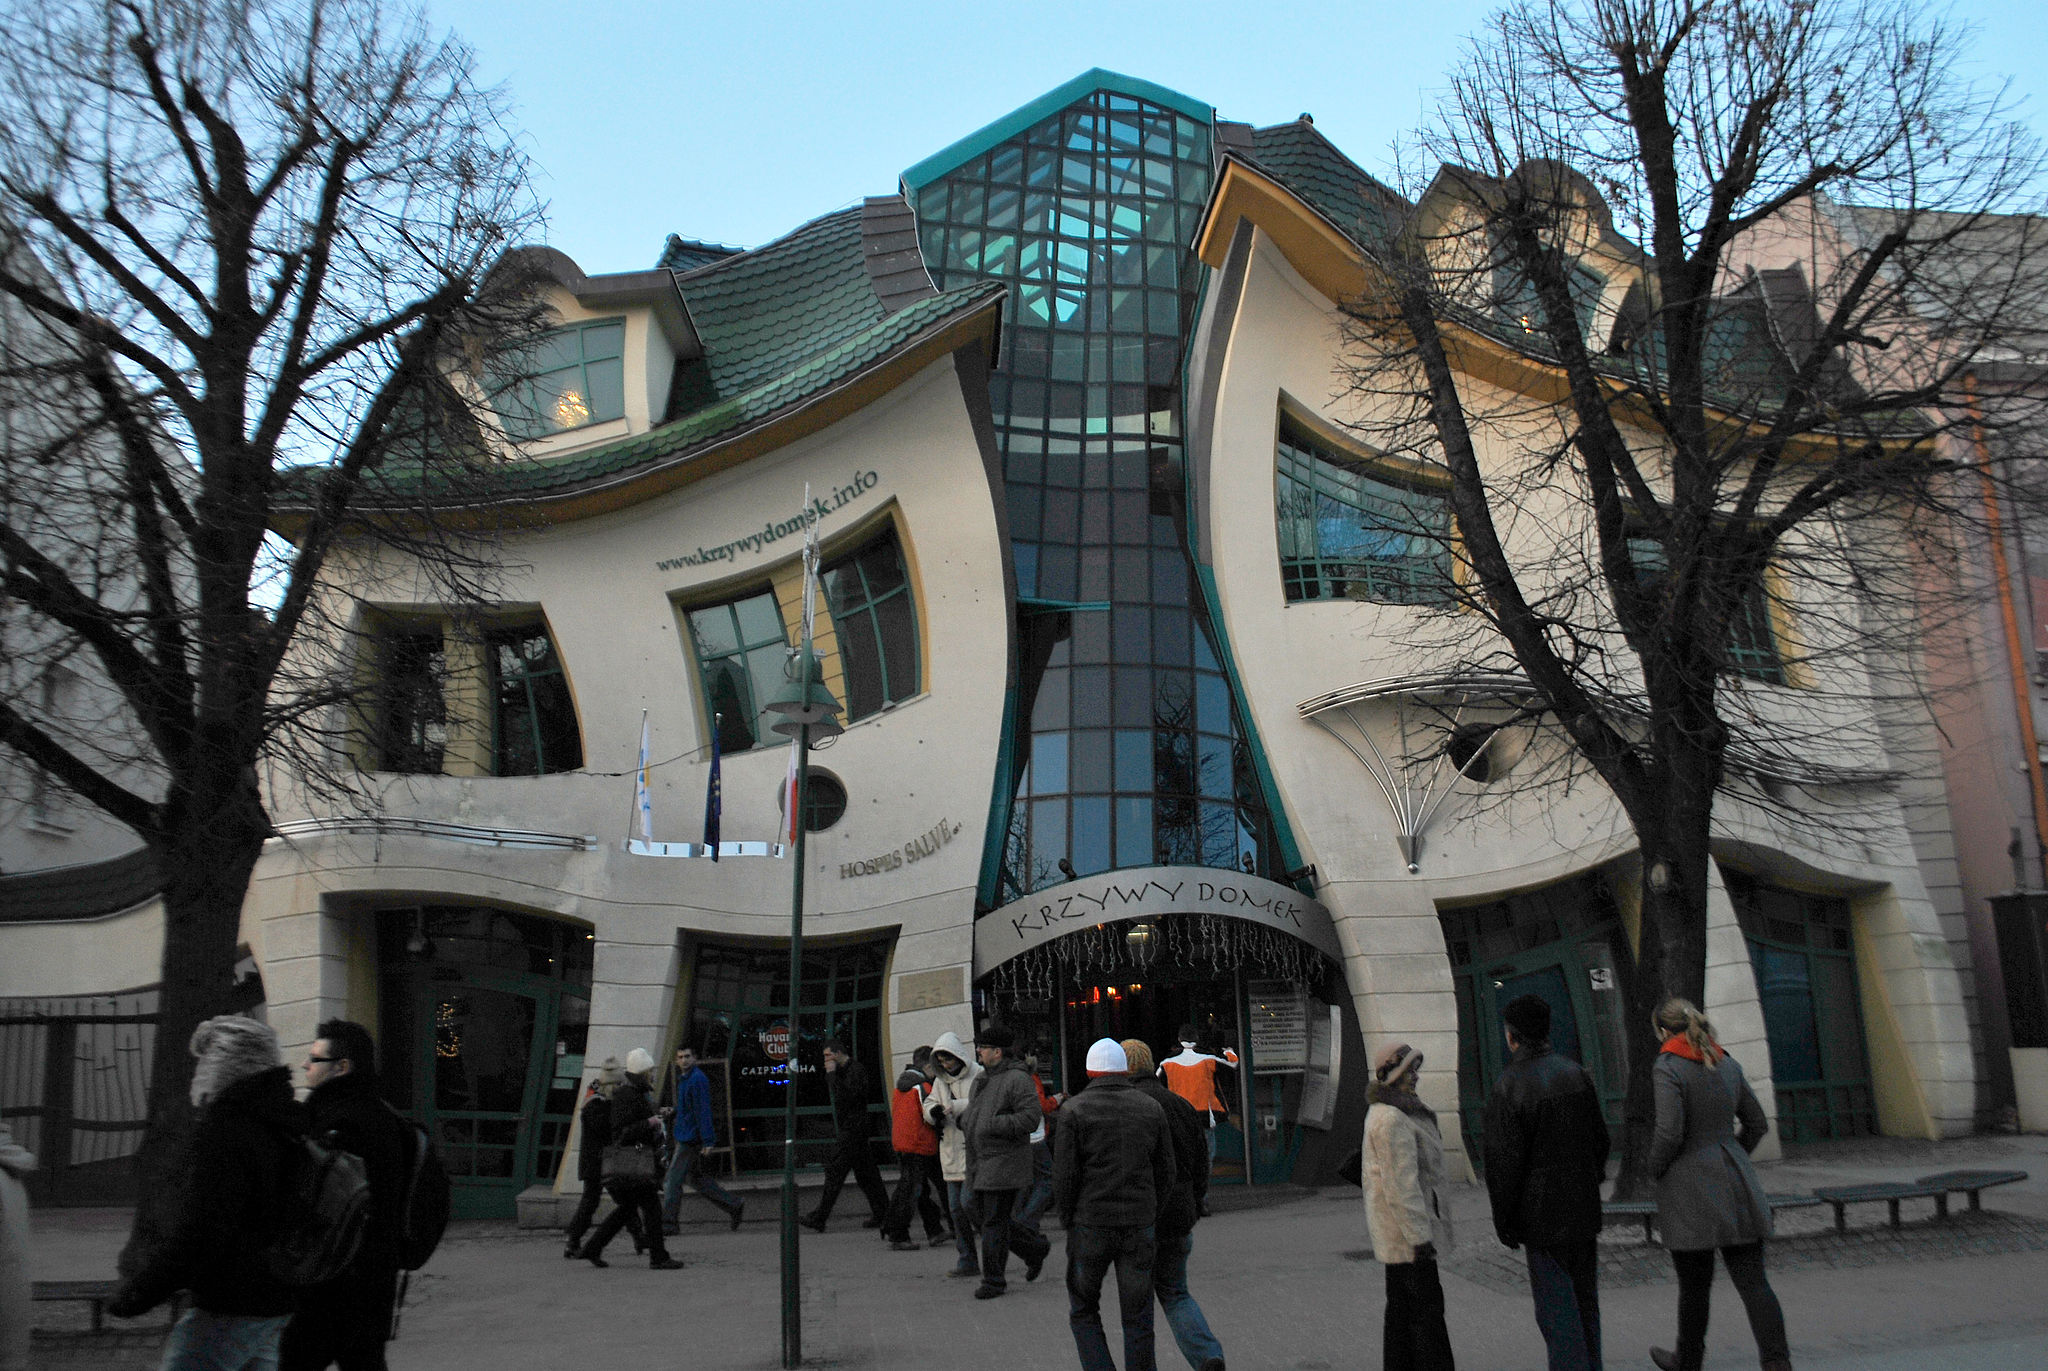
(1405,1210)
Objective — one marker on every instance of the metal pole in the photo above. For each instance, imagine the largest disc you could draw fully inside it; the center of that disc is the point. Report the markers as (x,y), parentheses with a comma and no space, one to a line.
(792,1290)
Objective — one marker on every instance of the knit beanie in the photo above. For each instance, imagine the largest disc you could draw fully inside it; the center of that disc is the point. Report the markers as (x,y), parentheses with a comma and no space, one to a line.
(608,1073)
(1106,1058)
(638,1062)
(230,1048)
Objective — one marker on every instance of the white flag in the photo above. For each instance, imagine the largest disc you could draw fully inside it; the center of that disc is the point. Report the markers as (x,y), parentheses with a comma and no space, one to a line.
(643,798)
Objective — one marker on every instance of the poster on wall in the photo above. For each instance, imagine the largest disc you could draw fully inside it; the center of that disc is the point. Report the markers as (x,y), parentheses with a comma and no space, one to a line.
(1319,1082)
(1279,1026)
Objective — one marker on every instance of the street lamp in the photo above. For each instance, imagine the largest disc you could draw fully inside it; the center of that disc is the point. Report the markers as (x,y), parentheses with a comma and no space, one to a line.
(808,710)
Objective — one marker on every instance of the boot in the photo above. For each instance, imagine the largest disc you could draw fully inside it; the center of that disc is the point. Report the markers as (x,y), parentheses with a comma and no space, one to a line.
(1676,1361)
(1782,1364)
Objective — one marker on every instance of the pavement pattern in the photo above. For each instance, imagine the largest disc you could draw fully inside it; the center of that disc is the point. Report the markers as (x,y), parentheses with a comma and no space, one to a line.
(1287,1287)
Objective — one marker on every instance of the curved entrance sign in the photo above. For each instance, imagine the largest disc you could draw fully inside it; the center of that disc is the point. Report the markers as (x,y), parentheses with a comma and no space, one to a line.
(1143,893)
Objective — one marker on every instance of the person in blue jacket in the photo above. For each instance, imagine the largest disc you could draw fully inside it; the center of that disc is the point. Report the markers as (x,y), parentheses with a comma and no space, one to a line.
(691,1128)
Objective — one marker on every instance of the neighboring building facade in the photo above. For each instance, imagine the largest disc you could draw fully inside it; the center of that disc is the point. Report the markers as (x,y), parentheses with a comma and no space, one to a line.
(1128,630)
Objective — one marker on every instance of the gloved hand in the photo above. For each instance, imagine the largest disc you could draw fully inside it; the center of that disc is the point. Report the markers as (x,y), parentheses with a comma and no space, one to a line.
(129,1304)
(1425,1252)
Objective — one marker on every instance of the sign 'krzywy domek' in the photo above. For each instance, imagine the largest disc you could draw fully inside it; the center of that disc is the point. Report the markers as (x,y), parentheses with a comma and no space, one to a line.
(1122,618)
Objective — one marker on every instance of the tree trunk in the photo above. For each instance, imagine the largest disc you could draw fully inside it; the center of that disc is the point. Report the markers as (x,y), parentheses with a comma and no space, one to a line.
(207,862)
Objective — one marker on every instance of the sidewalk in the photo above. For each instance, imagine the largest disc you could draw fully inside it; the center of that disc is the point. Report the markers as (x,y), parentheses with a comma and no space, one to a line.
(1289,1287)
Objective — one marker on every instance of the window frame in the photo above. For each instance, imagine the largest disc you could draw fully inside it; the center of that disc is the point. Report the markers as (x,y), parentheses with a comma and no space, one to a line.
(1744,655)
(728,601)
(866,617)
(467,686)
(1298,449)
(387,638)
(517,427)
(494,683)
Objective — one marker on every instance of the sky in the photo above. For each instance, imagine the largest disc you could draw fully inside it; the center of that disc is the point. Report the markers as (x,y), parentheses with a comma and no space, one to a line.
(736,122)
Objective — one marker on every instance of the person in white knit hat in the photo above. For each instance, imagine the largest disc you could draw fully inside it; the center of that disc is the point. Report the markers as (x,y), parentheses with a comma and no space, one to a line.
(1112,1169)
(636,1130)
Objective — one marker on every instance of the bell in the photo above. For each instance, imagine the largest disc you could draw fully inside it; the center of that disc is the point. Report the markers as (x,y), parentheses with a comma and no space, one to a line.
(803,702)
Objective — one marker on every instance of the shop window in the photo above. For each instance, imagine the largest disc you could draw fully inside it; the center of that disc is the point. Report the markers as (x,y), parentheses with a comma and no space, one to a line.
(571,377)
(534,725)
(741,647)
(868,592)
(412,707)
(1351,530)
(1752,639)
(1801,949)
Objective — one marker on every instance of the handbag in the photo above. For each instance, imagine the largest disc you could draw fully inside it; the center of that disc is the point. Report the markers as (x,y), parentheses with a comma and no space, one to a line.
(631,1163)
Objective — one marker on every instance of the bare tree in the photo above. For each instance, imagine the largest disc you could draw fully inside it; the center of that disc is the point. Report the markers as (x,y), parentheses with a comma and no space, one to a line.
(249,251)
(1654,446)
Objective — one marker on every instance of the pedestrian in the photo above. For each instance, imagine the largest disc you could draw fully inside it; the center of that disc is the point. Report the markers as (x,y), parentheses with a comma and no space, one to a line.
(955,1078)
(1112,1167)
(345,1322)
(691,1129)
(1175,1230)
(1546,1157)
(852,1092)
(596,1133)
(1191,1074)
(1708,1195)
(998,1126)
(234,1175)
(15,1164)
(1403,1174)
(1032,1205)
(631,1183)
(916,1141)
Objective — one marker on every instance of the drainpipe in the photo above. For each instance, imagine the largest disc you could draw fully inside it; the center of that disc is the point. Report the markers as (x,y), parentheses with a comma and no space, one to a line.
(2016,651)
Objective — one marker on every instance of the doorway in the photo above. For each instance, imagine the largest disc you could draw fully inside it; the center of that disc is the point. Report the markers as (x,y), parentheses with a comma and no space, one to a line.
(1563,944)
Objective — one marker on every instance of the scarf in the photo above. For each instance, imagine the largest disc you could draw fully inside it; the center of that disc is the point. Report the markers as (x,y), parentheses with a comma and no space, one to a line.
(1678,1045)
(1400,1093)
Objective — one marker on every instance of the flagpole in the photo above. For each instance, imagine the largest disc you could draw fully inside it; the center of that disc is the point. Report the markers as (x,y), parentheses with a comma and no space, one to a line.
(792,1289)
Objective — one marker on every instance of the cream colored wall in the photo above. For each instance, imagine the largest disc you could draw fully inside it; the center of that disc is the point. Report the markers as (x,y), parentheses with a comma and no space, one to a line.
(1284,347)
(609,606)
(95,957)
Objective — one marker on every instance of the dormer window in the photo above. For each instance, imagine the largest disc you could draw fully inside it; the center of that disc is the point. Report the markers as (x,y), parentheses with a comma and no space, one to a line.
(572,377)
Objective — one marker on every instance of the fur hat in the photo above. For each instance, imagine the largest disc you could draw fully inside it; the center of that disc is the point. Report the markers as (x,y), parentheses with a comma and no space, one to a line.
(230,1048)
(608,1071)
(1396,1062)
(997,1035)
(1106,1058)
(638,1062)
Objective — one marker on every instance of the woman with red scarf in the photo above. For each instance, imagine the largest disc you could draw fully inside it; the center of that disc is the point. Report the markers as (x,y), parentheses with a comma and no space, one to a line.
(1708,1196)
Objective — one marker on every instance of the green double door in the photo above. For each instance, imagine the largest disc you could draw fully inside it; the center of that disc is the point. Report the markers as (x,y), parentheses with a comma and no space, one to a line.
(1580,980)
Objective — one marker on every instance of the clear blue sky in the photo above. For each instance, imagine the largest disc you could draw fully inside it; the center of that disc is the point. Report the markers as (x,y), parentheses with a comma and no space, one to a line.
(737,121)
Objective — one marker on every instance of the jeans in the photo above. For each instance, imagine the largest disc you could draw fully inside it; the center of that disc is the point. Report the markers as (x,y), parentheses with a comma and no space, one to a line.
(1091,1251)
(1696,1287)
(960,1200)
(343,1322)
(639,1198)
(1183,1315)
(913,1171)
(1566,1283)
(853,1154)
(224,1342)
(1415,1338)
(684,1169)
(1033,1204)
(999,1234)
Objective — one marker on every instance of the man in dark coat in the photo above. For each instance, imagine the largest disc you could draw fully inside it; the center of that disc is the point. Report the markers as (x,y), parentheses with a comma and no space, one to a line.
(1546,1156)
(634,1124)
(249,1125)
(1112,1166)
(852,1091)
(998,1125)
(596,1134)
(345,1322)
(1178,1213)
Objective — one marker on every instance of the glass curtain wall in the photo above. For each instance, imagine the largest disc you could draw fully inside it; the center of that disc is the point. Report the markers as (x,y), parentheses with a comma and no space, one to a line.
(1128,749)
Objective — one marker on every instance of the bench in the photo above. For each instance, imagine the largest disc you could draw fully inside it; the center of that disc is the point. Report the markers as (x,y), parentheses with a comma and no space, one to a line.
(1646,1210)
(1890,1192)
(94,1293)
(1971,1183)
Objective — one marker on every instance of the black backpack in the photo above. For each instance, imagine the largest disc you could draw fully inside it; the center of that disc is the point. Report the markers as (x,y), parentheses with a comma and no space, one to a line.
(324,1210)
(424,1216)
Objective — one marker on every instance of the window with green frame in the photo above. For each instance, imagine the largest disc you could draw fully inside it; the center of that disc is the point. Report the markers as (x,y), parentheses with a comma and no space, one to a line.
(1349,530)
(571,377)
(1802,949)
(1516,297)
(533,719)
(868,593)
(741,646)
(1752,637)
(410,731)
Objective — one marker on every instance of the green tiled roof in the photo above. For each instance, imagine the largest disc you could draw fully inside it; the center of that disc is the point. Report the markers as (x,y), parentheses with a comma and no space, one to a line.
(1310,165)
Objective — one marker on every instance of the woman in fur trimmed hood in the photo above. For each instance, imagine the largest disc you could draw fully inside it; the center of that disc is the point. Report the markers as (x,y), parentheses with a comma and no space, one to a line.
(1405,1210)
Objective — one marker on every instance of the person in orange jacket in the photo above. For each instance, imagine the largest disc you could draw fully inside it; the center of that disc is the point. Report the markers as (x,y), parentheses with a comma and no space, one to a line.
(916,1141)
(1192,1076)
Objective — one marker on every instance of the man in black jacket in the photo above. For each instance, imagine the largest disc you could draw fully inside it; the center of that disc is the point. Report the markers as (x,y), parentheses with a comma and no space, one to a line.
(852,1092)
(1178,1212)
(1546,1156)
(634,1124)
(1112,1167)
(249,1125)
(345,1322)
